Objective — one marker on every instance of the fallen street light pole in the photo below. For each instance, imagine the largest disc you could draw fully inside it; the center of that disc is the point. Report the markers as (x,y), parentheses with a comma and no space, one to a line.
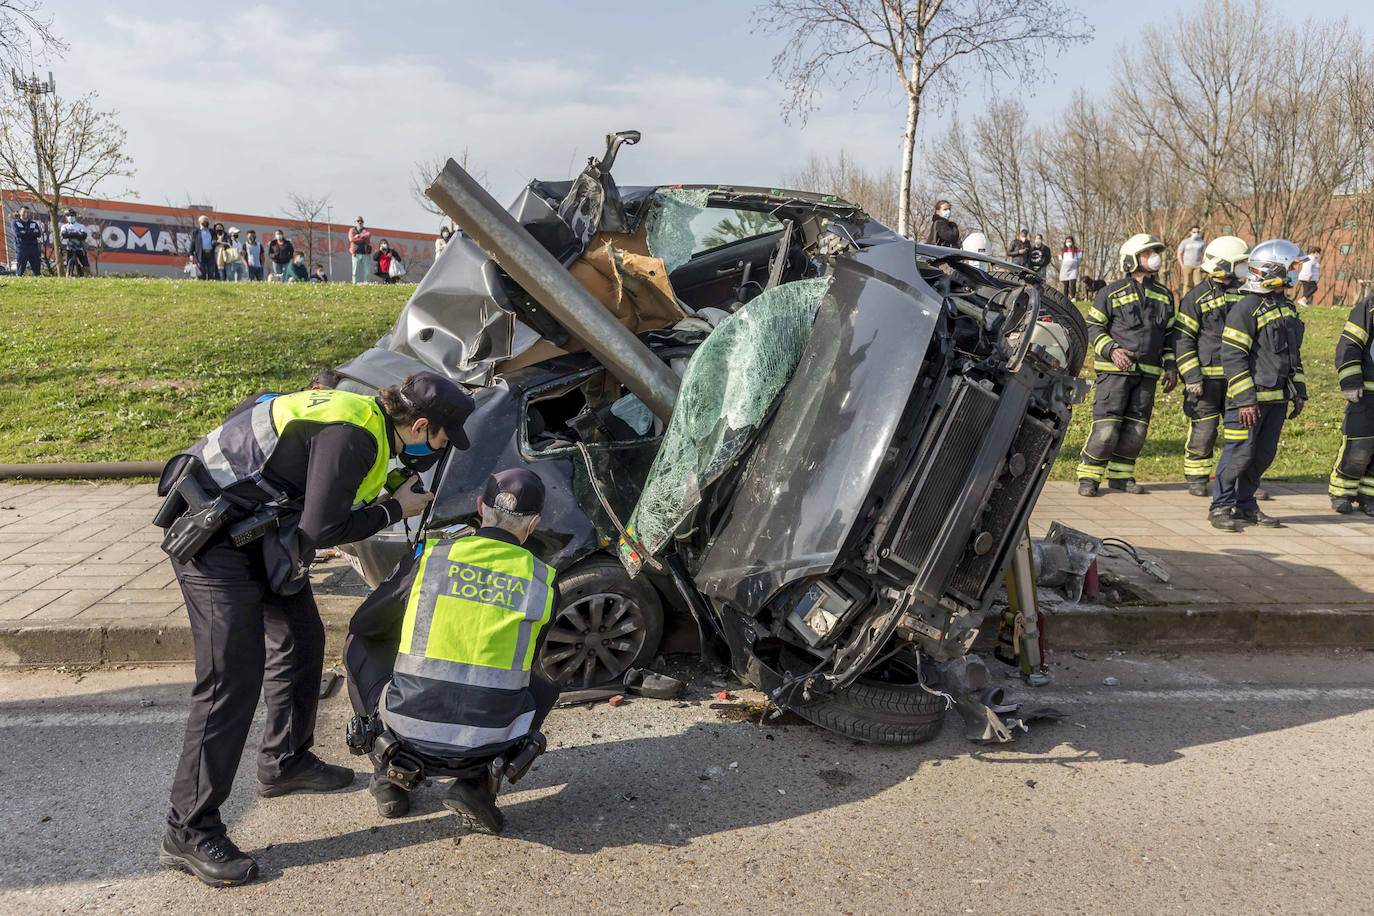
(529,264)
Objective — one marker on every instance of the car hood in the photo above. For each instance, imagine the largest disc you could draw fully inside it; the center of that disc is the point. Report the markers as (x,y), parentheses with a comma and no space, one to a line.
(810,473)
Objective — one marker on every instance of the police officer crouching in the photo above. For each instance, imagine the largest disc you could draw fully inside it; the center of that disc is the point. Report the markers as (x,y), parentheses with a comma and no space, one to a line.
(1261,352)
(246,508)
(1129,326)
(439,660)
(1197,345)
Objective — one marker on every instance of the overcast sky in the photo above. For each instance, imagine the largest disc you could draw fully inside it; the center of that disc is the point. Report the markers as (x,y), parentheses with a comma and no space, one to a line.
(240,106)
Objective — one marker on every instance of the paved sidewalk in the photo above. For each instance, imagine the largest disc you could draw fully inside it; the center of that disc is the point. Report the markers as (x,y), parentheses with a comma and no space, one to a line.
(83,580)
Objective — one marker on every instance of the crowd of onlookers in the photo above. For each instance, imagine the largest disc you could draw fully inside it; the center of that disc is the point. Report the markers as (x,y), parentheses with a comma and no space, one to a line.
(1034,254)
(217,253)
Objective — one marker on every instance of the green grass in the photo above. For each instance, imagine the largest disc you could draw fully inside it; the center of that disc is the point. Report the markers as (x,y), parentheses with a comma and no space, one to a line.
(1309,445)
(135,370)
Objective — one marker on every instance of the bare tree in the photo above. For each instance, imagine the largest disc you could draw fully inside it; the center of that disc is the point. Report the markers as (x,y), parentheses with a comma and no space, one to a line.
(52,148)
(26,34)
(424,171)
(310,213)
(923,44)
(876,192)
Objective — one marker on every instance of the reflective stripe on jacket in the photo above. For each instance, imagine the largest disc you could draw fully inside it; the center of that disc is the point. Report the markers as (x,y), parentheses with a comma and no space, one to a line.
(1198,324)
(1354,360)
(1135,316)
(461,681)
(1262,351)
(239,448)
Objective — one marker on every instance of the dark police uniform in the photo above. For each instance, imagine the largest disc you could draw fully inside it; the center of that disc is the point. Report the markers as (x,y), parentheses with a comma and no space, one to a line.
(28,245)
(1198,324)
(329,450)
(74,237)
(1138,316)
(1261,353)
(1352,478)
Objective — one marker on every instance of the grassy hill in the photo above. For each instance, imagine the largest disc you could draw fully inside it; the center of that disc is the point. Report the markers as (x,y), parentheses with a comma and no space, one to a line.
(133,370)
(129,370)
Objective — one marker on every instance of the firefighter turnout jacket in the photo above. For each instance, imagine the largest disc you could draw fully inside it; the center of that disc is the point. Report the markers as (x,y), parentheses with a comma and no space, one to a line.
(1138,316)
(1354,362)
(1261,351)
(461,685)
(1198,325)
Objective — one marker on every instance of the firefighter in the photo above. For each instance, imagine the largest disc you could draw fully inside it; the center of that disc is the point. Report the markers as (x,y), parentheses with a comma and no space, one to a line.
(1352,479)
(1261,352)
(1129,325)
(1197,345)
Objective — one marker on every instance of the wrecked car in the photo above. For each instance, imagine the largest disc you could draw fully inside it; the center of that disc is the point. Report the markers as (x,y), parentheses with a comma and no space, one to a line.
(757,410)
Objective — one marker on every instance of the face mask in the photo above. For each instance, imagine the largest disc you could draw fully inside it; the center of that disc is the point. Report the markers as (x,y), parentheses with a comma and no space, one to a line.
(386,247)
(279,236)
(71,219)
(1153,261)
(944,214)
(358,225)
(1197,235)
(1291,279)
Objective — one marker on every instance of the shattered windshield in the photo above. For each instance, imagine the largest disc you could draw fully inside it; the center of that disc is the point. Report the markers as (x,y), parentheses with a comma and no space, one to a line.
(727,390)
(669,231)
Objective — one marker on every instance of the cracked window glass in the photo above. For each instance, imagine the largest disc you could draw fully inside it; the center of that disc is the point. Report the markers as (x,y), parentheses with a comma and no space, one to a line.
(726,393)
(669,233)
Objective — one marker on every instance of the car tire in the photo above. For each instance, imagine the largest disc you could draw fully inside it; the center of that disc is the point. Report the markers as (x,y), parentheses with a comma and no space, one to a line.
(1055,305)
(880,711)
(597,596)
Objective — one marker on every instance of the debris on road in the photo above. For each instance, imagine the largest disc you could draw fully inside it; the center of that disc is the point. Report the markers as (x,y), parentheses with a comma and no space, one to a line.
(617,700)
(1110,681)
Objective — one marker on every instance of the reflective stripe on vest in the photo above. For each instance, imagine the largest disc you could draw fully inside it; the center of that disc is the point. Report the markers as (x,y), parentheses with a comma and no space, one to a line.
(241,446)
(473,617)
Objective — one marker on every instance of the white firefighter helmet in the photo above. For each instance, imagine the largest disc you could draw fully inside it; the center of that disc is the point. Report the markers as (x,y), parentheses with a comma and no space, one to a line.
(1224,258)
(977,242)
(1134,247)
(1271,265)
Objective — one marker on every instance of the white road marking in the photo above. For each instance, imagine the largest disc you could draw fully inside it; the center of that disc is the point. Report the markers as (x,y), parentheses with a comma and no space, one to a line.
(1032,698)
(93,718)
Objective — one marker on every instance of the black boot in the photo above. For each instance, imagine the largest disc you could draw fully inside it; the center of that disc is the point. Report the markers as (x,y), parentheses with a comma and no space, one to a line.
(1259,518)
(216,861)
(475,800)
(1087,486)
(1342,505)
(1221,520)
(313,775)
(392,800)
(1199,486)
(1367,507)
(1126,485)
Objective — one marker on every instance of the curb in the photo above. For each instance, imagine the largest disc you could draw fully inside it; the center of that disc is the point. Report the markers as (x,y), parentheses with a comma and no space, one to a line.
(1217,626)
(1211,626)
(136,641)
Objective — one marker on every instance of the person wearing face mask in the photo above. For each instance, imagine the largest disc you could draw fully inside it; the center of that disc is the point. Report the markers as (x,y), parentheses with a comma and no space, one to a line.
(281,252)
(203,249)
(1129,327)
(1198,327)
(1189,255)
(1018,252)
(943,231)
(1070,257)
(384,259)
(297,271)
(360,247)
(1038,258)
(440,243)
(293,473)
(1261,351)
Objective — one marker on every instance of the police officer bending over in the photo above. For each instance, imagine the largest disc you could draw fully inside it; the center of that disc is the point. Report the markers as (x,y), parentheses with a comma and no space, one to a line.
(439,659)
(1129,324)
(1260,349)
(247,507)
(1352,479)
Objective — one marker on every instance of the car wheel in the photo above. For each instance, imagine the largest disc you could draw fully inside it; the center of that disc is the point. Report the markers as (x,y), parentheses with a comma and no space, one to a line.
(603,623)
(1056,306)
(887,706)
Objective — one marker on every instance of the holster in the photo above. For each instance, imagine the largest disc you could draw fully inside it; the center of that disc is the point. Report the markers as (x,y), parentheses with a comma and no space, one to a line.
(190,516)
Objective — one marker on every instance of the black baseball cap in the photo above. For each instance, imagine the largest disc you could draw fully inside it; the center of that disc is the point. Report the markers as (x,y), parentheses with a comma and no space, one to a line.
(518,491)
(441,401)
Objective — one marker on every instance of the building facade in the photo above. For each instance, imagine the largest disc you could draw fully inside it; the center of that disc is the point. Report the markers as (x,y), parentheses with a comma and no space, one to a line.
(135,238)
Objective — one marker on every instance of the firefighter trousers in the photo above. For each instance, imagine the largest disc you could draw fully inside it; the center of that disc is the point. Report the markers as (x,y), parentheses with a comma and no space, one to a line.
(1204,420)
(1122,405)
(1352,476)
(1246,456)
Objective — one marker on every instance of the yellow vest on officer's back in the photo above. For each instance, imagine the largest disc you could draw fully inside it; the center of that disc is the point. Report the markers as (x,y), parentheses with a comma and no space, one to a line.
(472,621)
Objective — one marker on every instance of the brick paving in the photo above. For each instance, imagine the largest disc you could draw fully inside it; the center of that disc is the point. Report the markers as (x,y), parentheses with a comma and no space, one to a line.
(85,553)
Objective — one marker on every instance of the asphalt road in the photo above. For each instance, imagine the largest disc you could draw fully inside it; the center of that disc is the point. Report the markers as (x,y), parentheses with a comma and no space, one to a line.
(1196,785)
